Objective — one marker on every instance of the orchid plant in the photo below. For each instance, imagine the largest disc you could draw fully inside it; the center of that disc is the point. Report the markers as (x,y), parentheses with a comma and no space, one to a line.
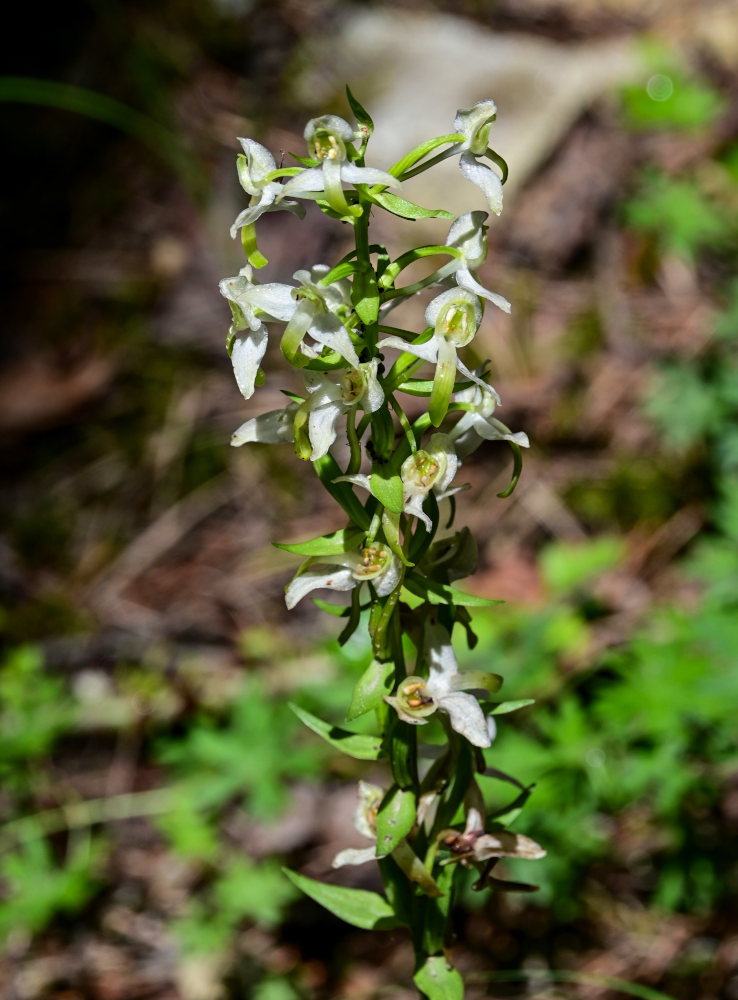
(396,556)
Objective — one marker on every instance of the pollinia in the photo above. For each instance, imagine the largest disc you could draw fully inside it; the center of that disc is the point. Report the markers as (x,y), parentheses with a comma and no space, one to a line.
(394,474)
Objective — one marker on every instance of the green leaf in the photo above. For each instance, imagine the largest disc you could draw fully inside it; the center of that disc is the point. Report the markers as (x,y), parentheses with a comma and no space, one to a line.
(358,745)
(438,980)
(360,113)
(395,819)
(371,687)
(387,488)
(503,707)
(367,910)
(326,545)
(407,209)
(328,470)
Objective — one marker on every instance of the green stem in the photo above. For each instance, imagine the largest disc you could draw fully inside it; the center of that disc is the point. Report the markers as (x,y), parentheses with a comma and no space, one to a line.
(404,422)
(353,439)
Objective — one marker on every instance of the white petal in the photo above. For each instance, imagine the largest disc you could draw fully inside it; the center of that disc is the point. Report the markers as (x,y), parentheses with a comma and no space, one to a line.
(478,381)
(311,179)
(412,720)
(322,428)
(374,393)
(274,299)
(329,123)
(467,234)
(339,579)
(329,330)
(466,279)
(357,480)
(255,211)
(367,175)
(274,427)
(506,844)
(387,582)
(354,856)
(485,178)
(414,506)
(467,717)
(370,796)
(246,354)
(236,290)
(492,430)
(442,448)
(260,162)
(469,120)
(442,661)
(427,351)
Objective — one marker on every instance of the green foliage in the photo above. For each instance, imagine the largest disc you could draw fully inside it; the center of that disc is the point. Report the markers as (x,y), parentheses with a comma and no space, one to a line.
(565,567)
(245,890)
(38,888)
(438,980)
(645,739)
(693,402)
(677,214)
(248,756)
(670,99)
(35,710)
(367,910)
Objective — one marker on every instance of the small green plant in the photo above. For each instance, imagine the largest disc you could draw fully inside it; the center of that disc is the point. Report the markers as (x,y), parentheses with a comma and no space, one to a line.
(37,888)
(669,97)
(245,890)
(246,757)
(643,738)
(678,215)
(35,711)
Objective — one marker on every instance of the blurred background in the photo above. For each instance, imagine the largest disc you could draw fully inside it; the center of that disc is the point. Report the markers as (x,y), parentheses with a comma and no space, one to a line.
(153,777)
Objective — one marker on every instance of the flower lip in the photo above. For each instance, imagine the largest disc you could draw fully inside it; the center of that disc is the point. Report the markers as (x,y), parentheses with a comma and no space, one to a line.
(353,386)
(414,699)
(421,470)
(371,562)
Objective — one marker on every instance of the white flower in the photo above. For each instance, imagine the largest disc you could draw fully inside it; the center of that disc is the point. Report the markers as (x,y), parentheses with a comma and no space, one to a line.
(474,845)
(446,689)
(365,822)
(474,124)
(467,234)
(375,564)
(479,424)
(255,165)
(428,469)
(328,400)
(326,138)
(421,472)
(455,316)
(307,309)
(274,427)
